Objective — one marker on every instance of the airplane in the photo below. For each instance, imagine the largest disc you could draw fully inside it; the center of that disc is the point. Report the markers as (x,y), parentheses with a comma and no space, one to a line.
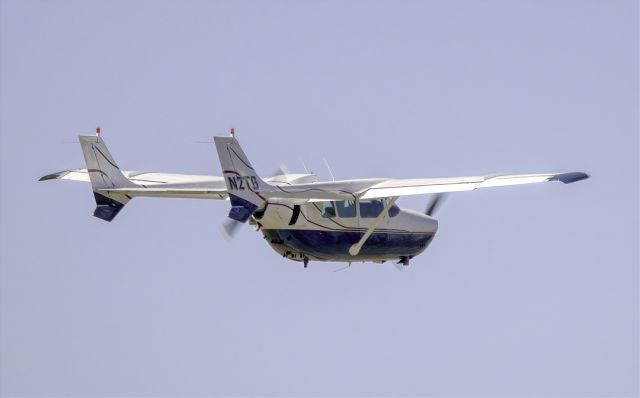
(301,218)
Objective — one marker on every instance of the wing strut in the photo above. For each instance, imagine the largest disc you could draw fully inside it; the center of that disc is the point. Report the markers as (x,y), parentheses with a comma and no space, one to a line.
(355,248)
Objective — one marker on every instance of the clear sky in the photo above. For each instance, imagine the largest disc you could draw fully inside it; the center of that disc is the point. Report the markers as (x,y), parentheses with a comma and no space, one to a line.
(525,291)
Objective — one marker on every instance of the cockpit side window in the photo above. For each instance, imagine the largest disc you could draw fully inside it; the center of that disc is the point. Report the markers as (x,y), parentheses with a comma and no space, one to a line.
(394,210)
(346,208)
(327,210)
(371,208)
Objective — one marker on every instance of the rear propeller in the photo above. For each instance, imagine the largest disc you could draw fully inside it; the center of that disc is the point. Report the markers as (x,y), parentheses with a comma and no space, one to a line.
(230,228)
(435,203)
(282,170)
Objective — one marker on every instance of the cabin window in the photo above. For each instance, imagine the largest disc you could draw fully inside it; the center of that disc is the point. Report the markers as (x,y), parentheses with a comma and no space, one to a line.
(327,210)
(394,210)
(371,208)
(346,208)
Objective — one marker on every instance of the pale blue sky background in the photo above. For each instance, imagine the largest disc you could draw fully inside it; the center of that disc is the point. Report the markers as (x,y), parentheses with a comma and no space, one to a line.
(525,291)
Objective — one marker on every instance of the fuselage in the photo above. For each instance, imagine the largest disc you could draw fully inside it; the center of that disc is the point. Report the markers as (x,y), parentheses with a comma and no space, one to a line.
(324,231)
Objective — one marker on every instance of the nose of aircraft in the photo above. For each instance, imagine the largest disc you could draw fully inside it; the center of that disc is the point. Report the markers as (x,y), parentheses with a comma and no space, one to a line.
(414,221)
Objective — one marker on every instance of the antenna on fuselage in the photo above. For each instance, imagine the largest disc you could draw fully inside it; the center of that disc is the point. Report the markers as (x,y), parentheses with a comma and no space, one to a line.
(304,165)
(343,268)
(329,168)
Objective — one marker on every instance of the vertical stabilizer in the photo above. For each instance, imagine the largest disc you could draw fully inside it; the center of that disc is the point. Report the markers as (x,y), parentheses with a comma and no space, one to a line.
(104,174)
(103,170)
(243,183)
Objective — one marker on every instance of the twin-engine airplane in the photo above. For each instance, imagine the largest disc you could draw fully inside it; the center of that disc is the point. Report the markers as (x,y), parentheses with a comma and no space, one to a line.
(301,218)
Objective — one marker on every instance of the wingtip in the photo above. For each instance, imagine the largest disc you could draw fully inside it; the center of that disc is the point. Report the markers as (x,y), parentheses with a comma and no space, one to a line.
(51,176)
(568,178)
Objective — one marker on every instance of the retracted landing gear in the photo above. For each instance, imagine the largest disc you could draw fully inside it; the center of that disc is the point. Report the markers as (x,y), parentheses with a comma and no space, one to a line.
(305,260)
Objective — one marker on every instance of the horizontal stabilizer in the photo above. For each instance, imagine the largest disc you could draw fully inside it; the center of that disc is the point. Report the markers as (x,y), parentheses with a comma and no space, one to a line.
(75,175)
(168,192)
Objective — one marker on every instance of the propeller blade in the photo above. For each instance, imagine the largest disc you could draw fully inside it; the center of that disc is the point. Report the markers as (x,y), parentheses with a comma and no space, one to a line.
(281,170)
(229,228)
(436,202)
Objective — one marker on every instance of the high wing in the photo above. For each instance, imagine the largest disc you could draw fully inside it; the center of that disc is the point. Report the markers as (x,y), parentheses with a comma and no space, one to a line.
(382,188)
(113,188)
(248,191)
(440,185)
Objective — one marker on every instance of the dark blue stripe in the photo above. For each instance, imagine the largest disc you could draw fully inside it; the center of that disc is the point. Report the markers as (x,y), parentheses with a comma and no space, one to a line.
(322,243)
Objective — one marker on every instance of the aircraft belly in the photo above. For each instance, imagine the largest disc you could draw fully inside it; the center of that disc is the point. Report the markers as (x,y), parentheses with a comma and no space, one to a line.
(334,245)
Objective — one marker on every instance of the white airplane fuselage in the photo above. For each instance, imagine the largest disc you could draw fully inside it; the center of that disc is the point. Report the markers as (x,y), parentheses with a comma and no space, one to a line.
(310,229)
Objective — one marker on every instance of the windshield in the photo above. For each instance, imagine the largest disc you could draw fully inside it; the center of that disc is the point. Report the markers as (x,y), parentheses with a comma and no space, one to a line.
(371,208)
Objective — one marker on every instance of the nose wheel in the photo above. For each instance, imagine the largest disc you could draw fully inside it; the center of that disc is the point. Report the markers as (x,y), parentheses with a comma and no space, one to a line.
(404,260)
(306,261)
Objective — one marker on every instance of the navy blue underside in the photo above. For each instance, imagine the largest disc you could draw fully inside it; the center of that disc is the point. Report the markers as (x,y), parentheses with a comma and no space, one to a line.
(337,243)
